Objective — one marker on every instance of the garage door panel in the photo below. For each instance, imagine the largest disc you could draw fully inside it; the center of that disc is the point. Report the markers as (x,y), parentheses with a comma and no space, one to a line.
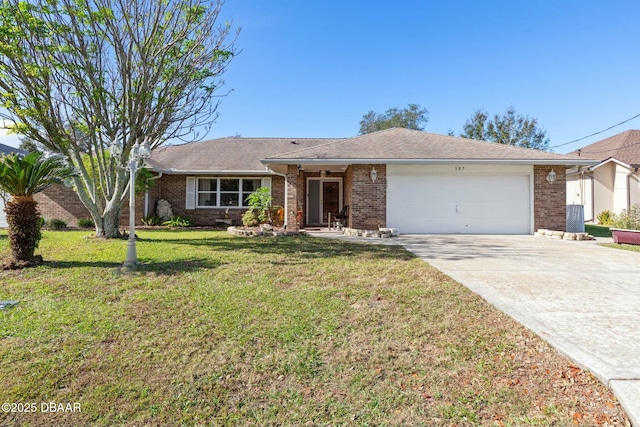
(474,204)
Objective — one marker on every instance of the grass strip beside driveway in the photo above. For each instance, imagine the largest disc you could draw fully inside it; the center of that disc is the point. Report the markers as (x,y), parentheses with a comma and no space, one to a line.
(597,230)
(215,330)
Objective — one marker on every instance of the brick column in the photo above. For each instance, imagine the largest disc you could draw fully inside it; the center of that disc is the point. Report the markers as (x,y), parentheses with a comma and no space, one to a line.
(292,198)
(368,209)
(549,200)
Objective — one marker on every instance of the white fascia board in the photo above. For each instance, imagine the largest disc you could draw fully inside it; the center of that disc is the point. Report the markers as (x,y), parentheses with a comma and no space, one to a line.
(213,172)
(612,160)
(549,162)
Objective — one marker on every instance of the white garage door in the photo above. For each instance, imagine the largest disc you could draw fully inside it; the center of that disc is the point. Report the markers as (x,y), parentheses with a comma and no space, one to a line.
(471,200)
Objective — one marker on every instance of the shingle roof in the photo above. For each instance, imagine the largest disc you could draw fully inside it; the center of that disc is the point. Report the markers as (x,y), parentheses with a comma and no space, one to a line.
(624,147)
(400,145)
(391,145)
(5,149)
(226,154)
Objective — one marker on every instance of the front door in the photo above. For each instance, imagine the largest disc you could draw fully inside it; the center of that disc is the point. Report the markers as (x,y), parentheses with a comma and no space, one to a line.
(324,198)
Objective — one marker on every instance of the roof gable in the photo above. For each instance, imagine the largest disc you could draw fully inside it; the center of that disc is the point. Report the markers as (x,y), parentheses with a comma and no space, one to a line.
(624,146)
(396,145)
(233,154)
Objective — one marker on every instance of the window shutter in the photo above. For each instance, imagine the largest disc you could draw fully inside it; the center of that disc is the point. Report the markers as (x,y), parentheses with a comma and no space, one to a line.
(190,202)
(266,182)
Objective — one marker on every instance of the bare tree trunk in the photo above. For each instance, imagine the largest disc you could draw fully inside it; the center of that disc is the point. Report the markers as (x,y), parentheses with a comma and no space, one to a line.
(107,218)
(108,225)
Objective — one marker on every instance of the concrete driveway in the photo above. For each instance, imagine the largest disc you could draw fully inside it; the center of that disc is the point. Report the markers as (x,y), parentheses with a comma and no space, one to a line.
(582,298)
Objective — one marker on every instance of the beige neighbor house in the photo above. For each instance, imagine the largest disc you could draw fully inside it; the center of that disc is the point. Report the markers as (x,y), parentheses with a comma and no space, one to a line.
(614,183)
(414,181)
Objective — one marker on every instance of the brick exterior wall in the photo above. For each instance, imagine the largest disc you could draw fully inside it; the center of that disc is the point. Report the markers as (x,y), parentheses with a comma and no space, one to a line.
(60,202)
(348,193)
(549,200)
(173,188)
(295,197)
(303,190)
(367,200)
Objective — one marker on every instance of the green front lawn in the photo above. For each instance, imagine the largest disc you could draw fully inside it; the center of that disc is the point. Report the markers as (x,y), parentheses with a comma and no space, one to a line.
(632,248)
(220,331)
(597,230)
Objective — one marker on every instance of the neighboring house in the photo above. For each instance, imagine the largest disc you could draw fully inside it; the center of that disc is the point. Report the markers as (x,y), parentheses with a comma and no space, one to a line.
(415,181)
(614,183)
(4,150)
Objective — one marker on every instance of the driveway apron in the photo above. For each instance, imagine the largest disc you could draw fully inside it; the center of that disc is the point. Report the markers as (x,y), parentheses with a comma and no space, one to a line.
(582,298)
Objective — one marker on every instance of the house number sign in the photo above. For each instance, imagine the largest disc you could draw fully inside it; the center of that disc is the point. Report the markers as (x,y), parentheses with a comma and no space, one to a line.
(459,168)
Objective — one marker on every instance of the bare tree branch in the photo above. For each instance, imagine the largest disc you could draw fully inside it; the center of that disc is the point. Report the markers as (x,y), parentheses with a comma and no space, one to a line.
(77,75)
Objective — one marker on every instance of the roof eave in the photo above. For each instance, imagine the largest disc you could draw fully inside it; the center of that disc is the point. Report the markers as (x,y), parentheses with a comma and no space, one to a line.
(613,160)
(173,171)
(549,162)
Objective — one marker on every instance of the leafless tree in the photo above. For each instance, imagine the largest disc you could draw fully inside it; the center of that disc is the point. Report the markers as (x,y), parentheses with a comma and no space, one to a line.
(78,75)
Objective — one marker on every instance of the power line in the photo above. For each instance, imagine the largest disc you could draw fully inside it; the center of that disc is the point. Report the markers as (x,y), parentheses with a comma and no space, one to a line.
(593,134)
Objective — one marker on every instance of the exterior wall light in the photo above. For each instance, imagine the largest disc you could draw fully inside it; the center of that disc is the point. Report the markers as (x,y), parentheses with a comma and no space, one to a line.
(373,174)
(551,177)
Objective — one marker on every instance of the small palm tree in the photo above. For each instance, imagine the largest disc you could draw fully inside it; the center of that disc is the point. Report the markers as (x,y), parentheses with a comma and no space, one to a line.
(21,178)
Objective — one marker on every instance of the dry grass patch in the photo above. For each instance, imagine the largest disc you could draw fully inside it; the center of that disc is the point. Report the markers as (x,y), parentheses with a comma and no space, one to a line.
(221,331)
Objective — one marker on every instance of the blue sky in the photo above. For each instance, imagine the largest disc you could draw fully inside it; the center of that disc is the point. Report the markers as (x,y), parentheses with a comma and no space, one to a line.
(314,68)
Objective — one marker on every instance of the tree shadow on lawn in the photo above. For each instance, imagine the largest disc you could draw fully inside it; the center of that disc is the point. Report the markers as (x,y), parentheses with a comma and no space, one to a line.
(146,265)
(309,247)
(302,246)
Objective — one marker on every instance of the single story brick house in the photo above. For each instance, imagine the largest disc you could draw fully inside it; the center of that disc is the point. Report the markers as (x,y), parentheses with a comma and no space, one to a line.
(612,184)
(414,181)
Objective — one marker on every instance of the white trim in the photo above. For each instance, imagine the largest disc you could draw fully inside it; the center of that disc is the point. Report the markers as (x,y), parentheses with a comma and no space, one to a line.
(531,162)
(219,192)
(190,202)
(212,172)
(612,160)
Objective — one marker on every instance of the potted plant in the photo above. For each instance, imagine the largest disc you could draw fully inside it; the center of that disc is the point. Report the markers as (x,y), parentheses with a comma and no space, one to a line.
(625,226)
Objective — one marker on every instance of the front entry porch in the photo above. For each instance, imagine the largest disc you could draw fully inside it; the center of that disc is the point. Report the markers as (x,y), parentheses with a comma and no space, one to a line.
(324,200)
(317,192)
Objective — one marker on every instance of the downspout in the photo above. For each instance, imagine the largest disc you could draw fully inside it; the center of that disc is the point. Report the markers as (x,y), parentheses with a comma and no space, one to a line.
(286,195)
(629,175)
(581,185)
(583,198)
(146,194)
(593,199)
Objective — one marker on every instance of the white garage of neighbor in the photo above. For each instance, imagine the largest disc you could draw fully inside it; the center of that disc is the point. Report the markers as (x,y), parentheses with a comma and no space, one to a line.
(3,216)
(5,150)
(460,198)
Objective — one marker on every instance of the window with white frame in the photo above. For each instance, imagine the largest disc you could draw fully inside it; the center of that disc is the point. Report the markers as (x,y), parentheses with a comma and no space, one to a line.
(226,192)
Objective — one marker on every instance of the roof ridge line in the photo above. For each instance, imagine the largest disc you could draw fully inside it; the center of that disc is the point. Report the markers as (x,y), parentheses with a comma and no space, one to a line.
(335,140)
